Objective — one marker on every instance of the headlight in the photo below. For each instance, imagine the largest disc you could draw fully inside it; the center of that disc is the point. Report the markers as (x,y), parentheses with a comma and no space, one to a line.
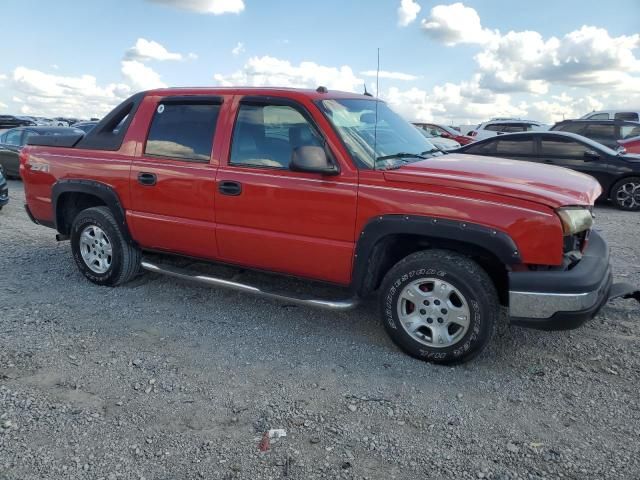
(575,219)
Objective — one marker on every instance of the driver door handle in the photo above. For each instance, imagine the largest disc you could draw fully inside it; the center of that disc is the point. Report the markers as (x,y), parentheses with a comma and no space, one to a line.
(231,188)
(146,178)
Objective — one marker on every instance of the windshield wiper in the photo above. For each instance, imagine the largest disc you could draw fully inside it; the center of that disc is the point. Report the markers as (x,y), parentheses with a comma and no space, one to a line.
(401,155)
(430,152)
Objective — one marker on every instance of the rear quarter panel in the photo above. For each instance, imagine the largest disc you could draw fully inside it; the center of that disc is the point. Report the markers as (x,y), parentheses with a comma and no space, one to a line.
(42,167)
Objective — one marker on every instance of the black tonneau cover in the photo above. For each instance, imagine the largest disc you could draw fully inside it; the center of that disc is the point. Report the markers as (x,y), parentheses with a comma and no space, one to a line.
(68,141)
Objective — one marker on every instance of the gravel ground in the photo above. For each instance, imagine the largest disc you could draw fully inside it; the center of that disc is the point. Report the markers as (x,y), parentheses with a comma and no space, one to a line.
(164,380)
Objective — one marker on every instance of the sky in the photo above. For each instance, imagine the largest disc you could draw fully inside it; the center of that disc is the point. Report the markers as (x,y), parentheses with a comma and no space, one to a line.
(451,62)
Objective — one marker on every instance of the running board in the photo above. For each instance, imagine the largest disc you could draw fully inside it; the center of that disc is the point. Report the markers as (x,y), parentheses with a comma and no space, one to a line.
(339,305)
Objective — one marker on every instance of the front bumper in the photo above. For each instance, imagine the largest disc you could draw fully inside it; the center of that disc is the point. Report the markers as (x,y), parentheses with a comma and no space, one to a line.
(562,299)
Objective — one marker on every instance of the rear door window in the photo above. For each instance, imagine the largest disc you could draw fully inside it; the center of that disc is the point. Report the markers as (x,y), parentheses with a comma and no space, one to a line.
(183,131)
(571,127)
(515,146)
(601,132)
(629,131)
(562,147)
(481,148)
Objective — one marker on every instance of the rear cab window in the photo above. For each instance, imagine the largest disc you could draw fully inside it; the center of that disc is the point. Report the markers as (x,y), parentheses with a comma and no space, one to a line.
(599,116)
(629,116)
(183,130)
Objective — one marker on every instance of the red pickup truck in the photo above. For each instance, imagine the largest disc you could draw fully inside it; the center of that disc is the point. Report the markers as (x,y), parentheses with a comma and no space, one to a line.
(333,187)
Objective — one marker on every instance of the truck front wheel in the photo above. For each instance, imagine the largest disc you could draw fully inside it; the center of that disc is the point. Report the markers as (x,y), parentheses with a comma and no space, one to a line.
(100,250)
(439,306)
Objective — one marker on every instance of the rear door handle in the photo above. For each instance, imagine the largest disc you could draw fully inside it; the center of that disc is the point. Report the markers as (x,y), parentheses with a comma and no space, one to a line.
(145,178)
(227,187)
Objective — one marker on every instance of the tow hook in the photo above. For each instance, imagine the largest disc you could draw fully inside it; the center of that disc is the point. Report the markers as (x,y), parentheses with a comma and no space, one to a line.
(624,290)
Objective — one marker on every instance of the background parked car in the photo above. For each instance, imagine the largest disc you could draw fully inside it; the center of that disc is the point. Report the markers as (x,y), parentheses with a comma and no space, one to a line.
(630,145)
(4,190)
(444,131)
(441,143)
(11,121)
(12,141)
(618,174)
(607,132)
(86,127)
(501,126)
(60,122)
(613,115)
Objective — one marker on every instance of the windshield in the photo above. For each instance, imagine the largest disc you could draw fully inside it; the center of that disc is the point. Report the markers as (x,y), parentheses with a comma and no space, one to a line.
(391,143)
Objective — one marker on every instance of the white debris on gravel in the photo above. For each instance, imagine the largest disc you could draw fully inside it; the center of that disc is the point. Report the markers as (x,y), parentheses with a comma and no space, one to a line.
(163,379)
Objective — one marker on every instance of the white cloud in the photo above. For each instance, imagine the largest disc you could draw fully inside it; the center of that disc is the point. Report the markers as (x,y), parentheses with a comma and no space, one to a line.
(45,94)
(390,75)
(270,71)
(459,103)
(524,61)
(140,76)
(192,56)
(215,7)
(407,12)
(3,106)
(145,50)
(456,23)
(238,49)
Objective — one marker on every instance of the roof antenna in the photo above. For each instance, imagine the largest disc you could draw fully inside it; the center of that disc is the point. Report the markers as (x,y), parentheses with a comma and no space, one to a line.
(375,127)
(365,90)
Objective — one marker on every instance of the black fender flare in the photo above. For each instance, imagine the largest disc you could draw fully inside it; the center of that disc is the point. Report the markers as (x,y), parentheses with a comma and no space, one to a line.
(90,187)
(371,242)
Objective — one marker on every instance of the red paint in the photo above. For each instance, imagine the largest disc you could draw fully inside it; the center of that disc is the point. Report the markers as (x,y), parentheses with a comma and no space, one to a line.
(631,145)
(299,223)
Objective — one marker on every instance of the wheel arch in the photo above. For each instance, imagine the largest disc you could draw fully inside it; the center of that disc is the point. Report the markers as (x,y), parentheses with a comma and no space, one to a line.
(71,196)
(387,239)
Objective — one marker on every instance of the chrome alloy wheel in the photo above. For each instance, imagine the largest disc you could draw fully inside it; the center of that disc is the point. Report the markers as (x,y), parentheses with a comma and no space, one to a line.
(433,312)
(628,195)
(96,250)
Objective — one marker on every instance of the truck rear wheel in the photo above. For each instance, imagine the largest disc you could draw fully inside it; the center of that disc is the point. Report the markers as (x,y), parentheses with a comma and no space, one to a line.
(100,250)
(439,306)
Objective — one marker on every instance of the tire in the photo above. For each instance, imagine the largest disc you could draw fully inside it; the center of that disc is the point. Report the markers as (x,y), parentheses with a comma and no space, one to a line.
(625,194)
(440,334)
(100,250)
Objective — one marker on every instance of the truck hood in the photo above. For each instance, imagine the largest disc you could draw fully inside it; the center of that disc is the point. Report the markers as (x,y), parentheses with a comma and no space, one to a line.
(544,184)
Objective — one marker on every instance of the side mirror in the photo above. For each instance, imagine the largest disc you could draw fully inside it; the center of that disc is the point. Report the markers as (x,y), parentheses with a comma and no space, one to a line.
(312,159)
(591,155)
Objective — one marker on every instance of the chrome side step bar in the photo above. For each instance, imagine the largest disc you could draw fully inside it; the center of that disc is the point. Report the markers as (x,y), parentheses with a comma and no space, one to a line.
(340,305)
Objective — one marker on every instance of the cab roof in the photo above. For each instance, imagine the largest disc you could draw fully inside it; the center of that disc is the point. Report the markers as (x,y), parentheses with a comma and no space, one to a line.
(313,94)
